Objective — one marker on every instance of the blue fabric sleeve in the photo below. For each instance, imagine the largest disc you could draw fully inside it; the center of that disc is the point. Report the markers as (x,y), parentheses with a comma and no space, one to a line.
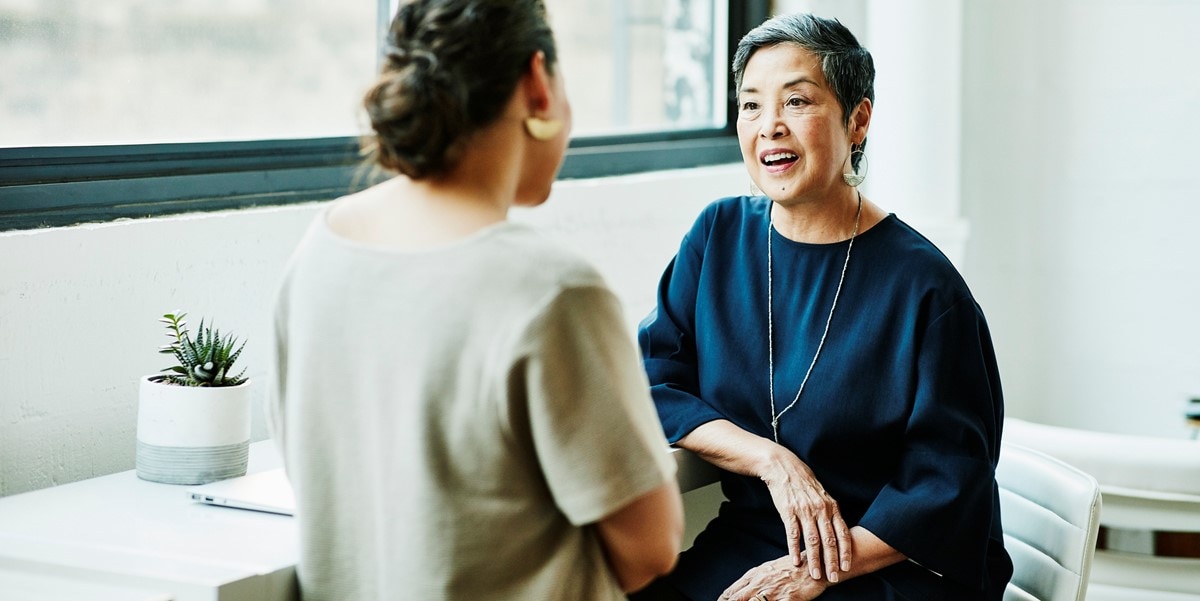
(667,338)
(934,508)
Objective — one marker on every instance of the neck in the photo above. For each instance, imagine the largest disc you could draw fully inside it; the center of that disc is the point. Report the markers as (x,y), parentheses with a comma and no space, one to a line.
(412,214)
(465,201)
(823,222)
(483,182)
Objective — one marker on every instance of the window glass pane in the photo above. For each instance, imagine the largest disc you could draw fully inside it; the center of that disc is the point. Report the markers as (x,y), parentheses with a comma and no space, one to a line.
(80,72)
(642,65)
(74,72)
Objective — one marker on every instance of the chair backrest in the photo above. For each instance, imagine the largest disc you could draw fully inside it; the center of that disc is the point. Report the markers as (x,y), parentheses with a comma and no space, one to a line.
(1051,515)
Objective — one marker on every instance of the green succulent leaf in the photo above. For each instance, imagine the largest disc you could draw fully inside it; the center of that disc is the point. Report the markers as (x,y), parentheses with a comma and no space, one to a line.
(205,360)
(236,354)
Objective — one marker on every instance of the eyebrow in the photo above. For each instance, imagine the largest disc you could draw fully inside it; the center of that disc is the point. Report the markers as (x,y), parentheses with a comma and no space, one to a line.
(788,85)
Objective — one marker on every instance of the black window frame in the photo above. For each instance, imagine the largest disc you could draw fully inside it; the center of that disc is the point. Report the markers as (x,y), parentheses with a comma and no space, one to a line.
(54,186)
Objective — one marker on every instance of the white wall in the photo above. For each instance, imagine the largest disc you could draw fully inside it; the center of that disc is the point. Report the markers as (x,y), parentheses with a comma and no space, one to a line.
(1079,126)
(79,305)
(78,326)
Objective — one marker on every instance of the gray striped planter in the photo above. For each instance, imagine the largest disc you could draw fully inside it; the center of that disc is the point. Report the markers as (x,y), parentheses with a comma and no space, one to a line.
(192,435)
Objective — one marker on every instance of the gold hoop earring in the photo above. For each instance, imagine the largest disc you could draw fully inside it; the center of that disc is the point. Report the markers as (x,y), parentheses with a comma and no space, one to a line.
(542,130)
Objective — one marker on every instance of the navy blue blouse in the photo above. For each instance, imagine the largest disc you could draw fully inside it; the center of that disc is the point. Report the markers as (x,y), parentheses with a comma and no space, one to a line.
(900,419)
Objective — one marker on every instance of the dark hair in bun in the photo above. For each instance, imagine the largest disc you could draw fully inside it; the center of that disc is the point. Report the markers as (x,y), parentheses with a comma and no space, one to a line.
(450,67)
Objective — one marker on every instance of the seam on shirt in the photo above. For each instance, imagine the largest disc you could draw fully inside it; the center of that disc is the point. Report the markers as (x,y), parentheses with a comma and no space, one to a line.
(954,305)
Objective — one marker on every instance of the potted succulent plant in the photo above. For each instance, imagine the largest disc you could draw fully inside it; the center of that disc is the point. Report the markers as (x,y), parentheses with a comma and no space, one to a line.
(194,416)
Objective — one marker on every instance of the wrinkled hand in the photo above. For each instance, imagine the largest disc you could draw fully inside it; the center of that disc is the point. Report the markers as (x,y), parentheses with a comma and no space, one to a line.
(775,580)
(810,515)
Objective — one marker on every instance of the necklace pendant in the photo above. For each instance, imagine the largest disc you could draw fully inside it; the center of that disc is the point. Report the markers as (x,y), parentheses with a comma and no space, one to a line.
(771,319)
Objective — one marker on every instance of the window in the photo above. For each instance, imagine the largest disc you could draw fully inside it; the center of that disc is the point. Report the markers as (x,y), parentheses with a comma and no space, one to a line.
(635,66)
(140,107)
(80,73)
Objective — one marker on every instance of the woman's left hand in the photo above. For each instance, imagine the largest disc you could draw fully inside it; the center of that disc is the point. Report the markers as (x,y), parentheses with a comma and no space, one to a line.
(776,580)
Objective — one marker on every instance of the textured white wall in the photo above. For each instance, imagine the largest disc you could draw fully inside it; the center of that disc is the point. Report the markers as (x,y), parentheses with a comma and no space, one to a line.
(79,305)
(1080,185)
(78,326)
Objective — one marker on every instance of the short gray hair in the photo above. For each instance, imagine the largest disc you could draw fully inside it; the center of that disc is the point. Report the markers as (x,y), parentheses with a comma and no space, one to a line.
(847,66)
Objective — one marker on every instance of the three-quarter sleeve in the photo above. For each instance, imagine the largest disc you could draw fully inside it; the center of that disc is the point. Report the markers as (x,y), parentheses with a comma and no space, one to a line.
(938,509)
(667,338)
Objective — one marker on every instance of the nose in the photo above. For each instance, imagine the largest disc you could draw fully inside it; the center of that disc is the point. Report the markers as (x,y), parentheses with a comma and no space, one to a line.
(773,126)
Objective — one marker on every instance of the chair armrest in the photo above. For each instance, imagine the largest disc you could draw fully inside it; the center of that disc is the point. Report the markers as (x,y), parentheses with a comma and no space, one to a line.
(693,472)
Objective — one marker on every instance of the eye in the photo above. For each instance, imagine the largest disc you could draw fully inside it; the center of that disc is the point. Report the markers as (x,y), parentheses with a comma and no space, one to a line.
(795,101)
(749,105)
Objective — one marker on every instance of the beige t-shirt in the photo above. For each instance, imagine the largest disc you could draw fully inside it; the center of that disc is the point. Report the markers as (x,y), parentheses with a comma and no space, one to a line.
(453,419)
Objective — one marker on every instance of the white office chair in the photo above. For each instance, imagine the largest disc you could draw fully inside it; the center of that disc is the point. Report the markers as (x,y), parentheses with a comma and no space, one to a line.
(1149,484)
(1051,515)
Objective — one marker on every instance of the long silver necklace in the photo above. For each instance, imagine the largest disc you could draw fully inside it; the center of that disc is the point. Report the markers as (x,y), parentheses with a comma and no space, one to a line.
(771,319)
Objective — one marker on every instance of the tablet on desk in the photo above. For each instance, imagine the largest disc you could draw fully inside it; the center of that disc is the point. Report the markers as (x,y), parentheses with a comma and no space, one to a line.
(267,490)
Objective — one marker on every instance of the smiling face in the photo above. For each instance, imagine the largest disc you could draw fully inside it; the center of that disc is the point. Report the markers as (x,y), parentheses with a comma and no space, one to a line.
(791,128)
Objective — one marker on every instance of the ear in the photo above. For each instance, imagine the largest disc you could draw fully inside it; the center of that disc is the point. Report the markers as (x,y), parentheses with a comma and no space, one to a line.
(860,121)
(538,86)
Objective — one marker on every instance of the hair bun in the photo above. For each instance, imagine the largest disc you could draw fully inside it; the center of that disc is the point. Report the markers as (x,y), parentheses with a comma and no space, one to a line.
(417,112)
(450,67)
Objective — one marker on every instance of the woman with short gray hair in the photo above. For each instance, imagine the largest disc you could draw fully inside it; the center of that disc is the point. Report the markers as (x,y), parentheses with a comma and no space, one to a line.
(828,358)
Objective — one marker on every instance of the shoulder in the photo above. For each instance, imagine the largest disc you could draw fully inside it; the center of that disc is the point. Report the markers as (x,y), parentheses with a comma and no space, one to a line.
(539,262)
(731,210)
(551,291)
(307,250)
(903,255)
(532,279)
(725,216)
(910,251)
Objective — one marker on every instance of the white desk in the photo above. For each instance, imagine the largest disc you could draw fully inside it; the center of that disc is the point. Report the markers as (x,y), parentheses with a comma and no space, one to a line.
(119,537)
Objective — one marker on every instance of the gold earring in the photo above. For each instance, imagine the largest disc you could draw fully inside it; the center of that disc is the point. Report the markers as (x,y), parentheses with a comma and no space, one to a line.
(542,130)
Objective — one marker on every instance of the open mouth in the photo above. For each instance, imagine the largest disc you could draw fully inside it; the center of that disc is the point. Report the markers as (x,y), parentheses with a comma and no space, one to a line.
(779,159)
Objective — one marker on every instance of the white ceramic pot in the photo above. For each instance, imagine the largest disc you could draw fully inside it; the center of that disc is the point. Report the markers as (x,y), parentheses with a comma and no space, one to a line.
(192,435)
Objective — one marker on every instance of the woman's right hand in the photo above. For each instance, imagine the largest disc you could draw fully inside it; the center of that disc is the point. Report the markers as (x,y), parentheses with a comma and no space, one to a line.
(776,580)
(811,517)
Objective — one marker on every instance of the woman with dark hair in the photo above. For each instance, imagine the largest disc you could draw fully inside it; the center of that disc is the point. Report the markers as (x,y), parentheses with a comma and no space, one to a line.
(459,409)
(828,357)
